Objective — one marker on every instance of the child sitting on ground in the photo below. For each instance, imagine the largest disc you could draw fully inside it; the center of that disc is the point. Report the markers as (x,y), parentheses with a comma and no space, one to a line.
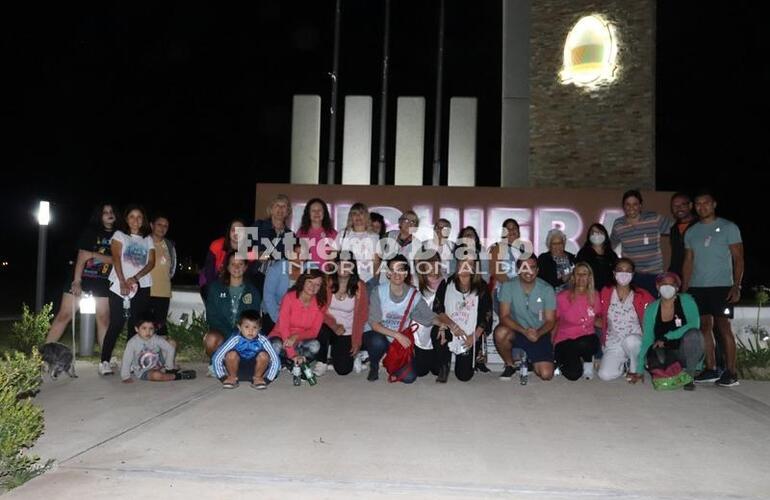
(248,356)
(150,357)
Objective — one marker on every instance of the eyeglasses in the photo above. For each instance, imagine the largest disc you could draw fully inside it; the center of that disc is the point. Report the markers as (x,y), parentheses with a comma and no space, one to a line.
(407,219)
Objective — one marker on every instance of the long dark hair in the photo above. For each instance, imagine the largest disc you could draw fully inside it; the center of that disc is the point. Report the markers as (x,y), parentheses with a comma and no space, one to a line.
(226,247)
(377,217)
(310,274)
(476,240)
(122,223)
(478,284)
(334,278)
(326,223)
(422,278)
(95,220)
(224,274)
(607,246)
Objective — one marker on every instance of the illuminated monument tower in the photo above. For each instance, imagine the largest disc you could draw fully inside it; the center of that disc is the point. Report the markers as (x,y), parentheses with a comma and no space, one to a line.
(578,93)
(577,106)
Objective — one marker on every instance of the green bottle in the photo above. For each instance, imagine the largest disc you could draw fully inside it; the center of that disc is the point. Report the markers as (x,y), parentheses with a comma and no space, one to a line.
(308,373)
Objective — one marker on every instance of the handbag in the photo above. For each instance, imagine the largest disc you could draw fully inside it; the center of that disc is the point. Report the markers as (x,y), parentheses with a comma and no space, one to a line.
(398,359)
(670,378)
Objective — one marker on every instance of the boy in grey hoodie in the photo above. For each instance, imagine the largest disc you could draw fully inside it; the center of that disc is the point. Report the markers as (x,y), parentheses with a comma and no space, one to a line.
(150,357)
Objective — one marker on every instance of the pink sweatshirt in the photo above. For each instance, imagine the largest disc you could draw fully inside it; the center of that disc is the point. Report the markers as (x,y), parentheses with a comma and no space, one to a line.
(296,318)
(319,234)
(575,318)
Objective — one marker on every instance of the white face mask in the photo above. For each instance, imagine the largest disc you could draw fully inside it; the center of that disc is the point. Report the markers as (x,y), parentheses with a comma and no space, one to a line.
(667,291)
(623,278)
(596,238)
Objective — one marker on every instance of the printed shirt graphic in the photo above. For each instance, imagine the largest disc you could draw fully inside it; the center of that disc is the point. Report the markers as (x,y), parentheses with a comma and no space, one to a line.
(462,308)
(97,242)
(136,253)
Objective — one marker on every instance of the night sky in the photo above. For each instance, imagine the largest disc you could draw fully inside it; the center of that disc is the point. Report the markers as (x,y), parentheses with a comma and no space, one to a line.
(120,101)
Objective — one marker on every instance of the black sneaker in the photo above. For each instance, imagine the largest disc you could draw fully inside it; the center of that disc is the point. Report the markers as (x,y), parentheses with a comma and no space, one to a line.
(507,373)
(728,380)
(373,373)
(185,375)
(707,377)
(689,386)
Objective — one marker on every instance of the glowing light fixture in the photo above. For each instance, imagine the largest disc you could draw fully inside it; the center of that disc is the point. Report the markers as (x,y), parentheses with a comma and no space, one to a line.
(44,213)
(590,53)
(87,304)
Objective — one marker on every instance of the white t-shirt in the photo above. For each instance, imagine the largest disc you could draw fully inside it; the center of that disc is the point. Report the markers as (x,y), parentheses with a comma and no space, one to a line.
(422,336)
(462,308)
(363,246)
(342,311)
(135,254)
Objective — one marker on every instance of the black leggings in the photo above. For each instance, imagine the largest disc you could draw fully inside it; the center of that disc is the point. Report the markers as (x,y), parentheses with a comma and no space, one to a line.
(463,362)
(430,360)
(139,305)
(158,307)
(571,354)
(341,345)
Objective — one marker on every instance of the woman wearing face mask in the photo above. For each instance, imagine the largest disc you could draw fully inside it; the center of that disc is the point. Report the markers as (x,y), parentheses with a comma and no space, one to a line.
(621,307)
(598,253)
(671,329)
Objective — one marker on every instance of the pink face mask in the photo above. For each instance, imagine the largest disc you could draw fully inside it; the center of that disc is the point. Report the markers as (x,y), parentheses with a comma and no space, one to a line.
(623,278)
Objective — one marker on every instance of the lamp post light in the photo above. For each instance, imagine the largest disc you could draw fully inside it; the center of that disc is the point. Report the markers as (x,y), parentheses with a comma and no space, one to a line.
(43,218)
(87,325)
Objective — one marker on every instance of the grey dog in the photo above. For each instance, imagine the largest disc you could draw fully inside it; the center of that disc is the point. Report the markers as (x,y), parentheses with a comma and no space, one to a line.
(57,358)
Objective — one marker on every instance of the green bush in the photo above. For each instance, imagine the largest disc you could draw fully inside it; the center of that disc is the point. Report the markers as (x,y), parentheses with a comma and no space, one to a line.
(31,331)
(188,334)
(21,422)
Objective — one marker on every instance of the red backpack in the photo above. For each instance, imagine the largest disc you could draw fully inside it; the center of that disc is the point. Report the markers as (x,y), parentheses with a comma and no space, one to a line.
(398,359)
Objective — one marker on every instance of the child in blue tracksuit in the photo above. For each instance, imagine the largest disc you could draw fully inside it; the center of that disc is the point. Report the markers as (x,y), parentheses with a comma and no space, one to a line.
(247,356)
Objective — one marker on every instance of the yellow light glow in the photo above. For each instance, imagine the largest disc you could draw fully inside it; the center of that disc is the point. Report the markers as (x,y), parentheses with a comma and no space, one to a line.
(590,53)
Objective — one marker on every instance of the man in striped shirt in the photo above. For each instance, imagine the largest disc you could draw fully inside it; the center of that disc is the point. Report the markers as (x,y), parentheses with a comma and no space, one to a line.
(638,233)
(247,356)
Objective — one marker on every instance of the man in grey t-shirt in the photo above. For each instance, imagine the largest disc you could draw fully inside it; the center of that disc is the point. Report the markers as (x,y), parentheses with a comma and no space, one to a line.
(713,270)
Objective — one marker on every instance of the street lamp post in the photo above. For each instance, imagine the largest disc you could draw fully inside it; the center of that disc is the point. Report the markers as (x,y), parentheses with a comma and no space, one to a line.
(43,218)
(87,325)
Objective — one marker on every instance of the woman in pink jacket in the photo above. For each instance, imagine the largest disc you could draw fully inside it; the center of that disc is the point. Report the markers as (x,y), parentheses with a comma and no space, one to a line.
(621,307)
(295,335)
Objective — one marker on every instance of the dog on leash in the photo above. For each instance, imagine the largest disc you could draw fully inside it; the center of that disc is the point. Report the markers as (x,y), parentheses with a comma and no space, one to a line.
(57,358)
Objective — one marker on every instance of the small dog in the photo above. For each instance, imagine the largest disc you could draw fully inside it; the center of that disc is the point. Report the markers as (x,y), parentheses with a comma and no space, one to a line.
(57,358)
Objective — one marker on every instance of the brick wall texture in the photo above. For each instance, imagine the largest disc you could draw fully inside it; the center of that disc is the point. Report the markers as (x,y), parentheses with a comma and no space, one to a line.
(599,138)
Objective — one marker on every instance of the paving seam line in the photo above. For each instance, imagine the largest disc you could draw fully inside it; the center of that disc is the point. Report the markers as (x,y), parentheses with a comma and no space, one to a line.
(192,399)
(385,486)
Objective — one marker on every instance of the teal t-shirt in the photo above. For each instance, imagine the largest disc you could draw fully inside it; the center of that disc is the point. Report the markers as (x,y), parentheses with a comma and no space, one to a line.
(710,245)
(528,310)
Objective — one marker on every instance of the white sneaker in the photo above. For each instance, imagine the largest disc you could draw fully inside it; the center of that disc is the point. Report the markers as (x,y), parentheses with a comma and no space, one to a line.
(588,371)
(210,372)
(105,368)
(556,372)
(114,362)
(358,366)
(319,369)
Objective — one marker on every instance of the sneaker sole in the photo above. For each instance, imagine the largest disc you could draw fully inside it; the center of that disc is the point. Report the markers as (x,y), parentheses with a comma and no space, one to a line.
(504,379)
(731,384)
(707,381)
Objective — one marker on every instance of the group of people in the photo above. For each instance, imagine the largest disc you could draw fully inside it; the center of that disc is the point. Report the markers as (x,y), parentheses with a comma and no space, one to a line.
(327,299)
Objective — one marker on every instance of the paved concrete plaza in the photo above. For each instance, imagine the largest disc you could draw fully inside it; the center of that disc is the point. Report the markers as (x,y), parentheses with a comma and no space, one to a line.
(348,438)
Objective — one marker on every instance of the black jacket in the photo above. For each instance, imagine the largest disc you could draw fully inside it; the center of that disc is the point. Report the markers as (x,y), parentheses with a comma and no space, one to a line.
(677,247)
